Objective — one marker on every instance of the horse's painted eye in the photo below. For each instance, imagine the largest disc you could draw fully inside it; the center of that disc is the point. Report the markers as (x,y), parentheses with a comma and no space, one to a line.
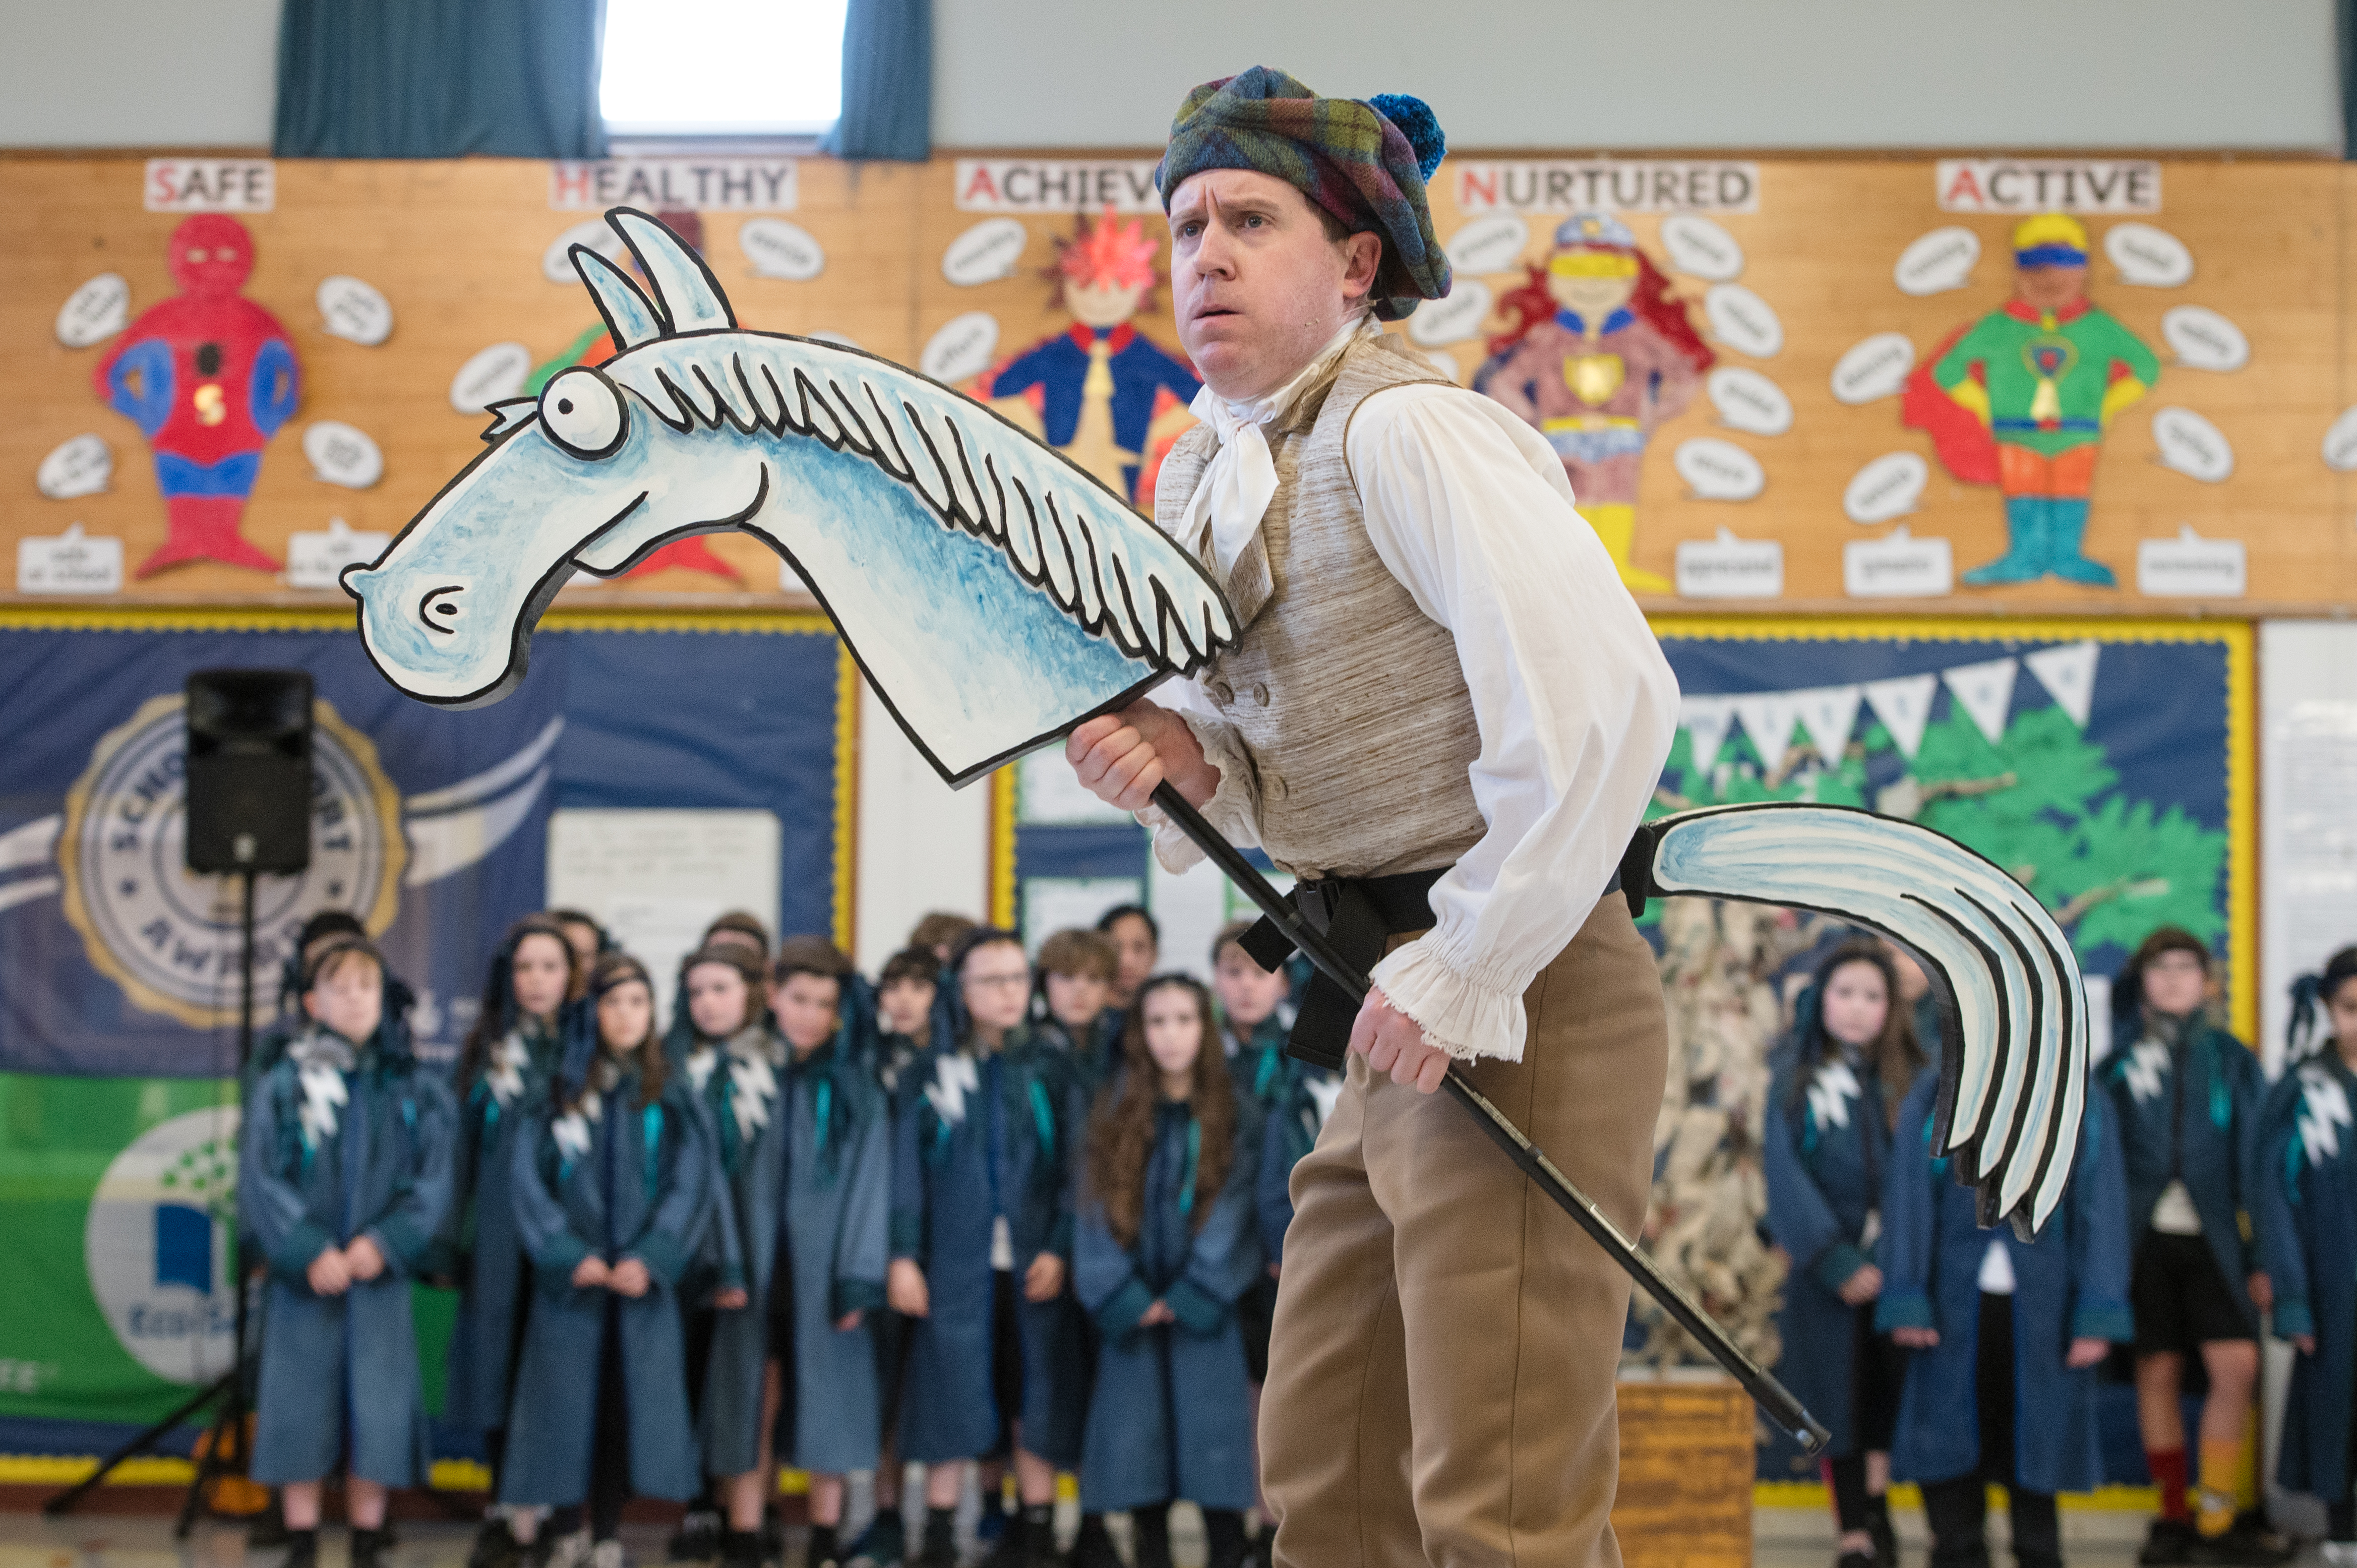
(583,412)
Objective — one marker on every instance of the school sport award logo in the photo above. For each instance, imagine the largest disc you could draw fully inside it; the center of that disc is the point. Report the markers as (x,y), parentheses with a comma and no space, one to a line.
(157,1244)
(171,938)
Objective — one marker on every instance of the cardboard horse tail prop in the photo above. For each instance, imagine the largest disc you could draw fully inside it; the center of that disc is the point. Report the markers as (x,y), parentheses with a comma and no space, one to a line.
(997,596)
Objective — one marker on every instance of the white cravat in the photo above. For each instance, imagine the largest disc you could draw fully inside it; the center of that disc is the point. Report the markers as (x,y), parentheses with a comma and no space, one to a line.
(1241,479)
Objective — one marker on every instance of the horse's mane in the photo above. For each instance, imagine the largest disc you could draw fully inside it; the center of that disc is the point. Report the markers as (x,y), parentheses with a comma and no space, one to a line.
(1112,571)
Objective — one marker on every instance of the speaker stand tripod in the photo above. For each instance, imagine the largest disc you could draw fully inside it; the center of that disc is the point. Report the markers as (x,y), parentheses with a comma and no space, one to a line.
(222,1449)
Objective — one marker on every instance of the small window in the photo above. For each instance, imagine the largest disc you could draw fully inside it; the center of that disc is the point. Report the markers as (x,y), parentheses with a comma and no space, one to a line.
(722,68)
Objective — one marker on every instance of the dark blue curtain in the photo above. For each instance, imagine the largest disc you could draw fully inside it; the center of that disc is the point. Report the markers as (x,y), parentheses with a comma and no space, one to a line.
(439,78)
(887,82)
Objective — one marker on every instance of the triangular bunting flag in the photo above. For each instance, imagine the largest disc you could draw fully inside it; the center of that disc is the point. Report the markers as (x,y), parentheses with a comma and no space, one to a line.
(2068,674)
(1830,711)
(1903,704)
(1705,720)
(1767,719)
(1986,691)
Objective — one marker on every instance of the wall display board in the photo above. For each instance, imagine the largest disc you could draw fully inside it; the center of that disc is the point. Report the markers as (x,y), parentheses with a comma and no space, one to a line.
(120,968)
(1840,386)
(2308,821)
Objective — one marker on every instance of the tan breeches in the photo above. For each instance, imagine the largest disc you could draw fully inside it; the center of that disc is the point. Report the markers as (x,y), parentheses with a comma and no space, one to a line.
(1440,1384)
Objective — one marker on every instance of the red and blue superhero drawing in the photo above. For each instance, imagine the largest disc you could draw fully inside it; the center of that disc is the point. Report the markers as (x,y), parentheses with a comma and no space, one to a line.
(1101,393)
(208,377)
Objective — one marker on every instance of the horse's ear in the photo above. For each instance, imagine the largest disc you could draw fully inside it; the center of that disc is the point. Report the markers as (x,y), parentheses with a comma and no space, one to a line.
(687,296)
(627,314)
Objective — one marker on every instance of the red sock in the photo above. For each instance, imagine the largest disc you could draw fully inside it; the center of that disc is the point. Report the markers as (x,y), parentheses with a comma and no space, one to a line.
(2167,1467)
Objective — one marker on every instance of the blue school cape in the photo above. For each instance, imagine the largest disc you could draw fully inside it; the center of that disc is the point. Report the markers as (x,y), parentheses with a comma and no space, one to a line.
(1824,1160)
(2209,1088)
(740,1090)
(836,1218)
(630,1181)
(2072,1283)
(960,1156)
(479,1240)
(339,1373)
(1171,1418)
(2306,1215)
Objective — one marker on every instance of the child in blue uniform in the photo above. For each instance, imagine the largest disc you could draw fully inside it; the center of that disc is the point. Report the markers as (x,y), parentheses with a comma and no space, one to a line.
(733,1064)
(982,1228)
(1165,1246)
(1136,938)
(344,1174)
(833,1241)
(1832,1100)
(2003,1334)
(905,991)
(510,1057)
(2185,1096)
(613,1191)
(2307,1226)
(1074,1008)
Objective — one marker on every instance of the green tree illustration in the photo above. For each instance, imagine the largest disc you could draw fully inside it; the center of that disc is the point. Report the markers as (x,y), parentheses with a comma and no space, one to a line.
(2042,803)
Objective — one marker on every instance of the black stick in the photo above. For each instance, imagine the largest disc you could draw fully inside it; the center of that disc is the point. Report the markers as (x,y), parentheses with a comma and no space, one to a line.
(1774,1399)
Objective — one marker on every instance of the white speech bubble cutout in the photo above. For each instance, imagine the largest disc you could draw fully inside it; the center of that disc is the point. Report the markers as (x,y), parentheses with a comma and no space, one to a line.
(1748,402)
(2204,341)
(489,375)
(82,467)
(1491,244)
(1727,567)
(1701,248)
(1439,322)
(556,262)
(354,310)
(1897,566)
(2192,445)
(1444,363)
(1886,487)
(1874,368)
(2149,257)
(985,252)
(1718,470)
(342,455)
(2191,567)
(778,248)
(1938,262)
(317,560)
(2340,442)
(71,562)
(961,347)
(1743,321)
(95,312)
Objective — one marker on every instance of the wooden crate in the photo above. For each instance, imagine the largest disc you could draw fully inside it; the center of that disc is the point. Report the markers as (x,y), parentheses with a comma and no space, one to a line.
(1686,1460)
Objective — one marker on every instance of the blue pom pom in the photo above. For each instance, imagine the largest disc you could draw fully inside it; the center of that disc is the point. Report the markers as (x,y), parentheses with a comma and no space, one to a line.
(1414,117)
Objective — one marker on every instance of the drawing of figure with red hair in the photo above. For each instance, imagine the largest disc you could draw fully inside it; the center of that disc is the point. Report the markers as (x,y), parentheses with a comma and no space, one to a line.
(208,377)
(1103,395)
(1597,354)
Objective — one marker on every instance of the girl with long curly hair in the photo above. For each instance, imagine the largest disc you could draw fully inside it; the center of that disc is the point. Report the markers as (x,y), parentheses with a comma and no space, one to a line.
(1166,1244)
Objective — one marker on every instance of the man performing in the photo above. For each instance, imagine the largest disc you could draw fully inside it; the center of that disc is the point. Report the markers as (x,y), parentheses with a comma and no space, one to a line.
(1445,715)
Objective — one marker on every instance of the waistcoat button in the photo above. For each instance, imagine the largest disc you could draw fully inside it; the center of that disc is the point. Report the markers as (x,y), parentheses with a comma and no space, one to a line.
(1271,785)
(1260,692)
(1222,693)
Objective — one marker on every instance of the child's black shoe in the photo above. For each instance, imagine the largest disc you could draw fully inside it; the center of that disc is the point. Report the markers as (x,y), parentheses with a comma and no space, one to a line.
(825,1550)
(368,1548)
(302,1548)
(939,1549)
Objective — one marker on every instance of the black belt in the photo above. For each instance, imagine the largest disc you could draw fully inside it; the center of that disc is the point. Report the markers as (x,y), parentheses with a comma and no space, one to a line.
(1358,915)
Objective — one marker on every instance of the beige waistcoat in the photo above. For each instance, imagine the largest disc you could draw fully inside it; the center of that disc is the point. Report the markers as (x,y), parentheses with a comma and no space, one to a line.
(1348,700)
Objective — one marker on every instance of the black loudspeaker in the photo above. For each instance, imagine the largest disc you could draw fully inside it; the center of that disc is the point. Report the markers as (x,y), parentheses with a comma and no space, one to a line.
(249,770)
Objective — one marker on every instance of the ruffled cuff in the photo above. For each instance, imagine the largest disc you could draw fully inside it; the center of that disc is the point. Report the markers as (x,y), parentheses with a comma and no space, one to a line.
(1234,807)
(1466,1015)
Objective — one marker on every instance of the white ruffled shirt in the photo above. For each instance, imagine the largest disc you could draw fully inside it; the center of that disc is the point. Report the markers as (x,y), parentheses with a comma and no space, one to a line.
(1469,507)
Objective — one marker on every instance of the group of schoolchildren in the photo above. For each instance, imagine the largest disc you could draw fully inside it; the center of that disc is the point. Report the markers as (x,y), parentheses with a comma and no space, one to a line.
(979,1213)
(2203,1200)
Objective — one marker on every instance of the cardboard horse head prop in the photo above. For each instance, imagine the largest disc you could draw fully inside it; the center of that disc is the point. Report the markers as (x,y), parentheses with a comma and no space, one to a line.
(997,596)
(990,590)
